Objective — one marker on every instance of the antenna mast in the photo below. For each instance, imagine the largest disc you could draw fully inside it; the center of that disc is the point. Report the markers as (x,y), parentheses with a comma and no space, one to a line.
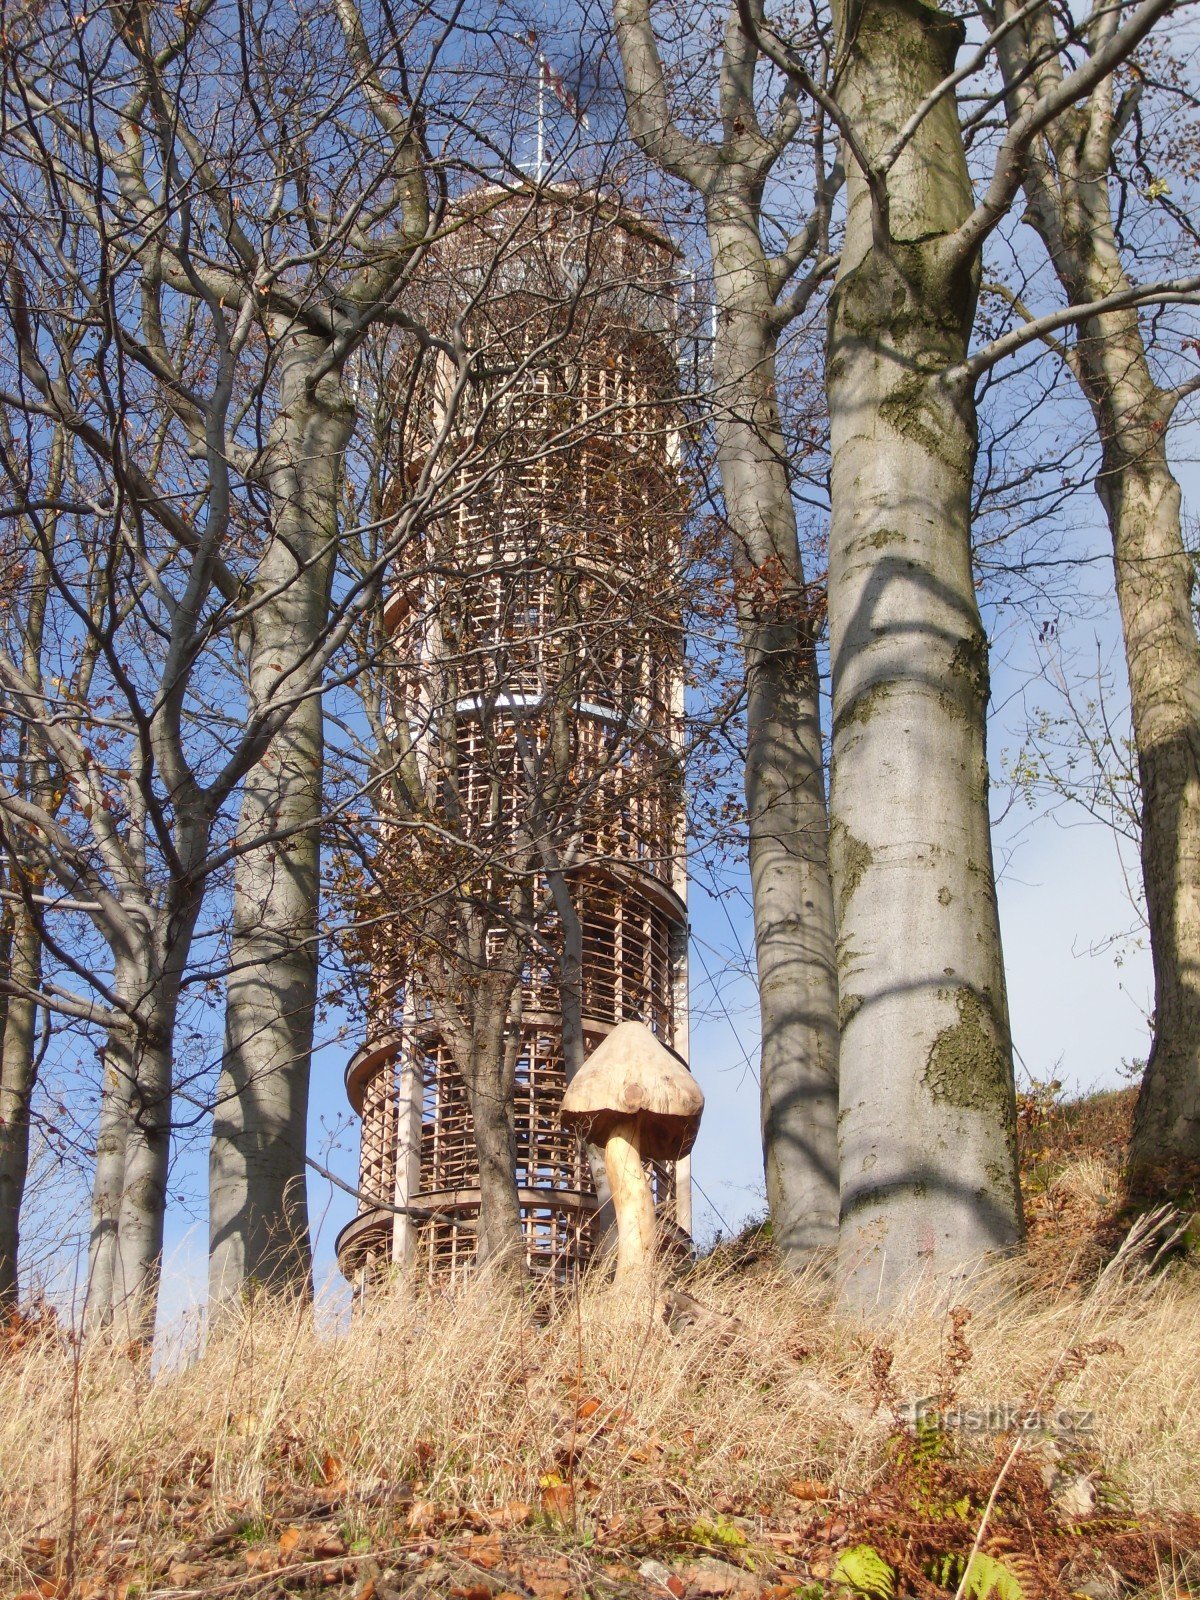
(543,74)
(548,79)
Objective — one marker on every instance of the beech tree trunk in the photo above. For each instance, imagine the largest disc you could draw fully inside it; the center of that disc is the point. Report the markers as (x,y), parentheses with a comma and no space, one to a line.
(1154,583)
(143,1202)
(1069,205)
(499,1240)
(18,1041)
(784,779)
(784,775)
(1154,579)
(927,1122)
(485,1048)
(133,1144)
(122,1063)
(258,1210)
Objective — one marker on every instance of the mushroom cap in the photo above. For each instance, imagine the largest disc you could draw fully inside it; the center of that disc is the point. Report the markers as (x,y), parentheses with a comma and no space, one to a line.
(630,1075)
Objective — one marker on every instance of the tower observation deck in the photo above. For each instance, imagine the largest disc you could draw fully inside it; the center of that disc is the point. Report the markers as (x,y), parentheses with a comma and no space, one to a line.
(529,889)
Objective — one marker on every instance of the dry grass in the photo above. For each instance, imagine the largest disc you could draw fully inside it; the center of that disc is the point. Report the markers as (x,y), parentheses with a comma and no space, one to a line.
(762,1427)
(1072,1156)
(602,1421)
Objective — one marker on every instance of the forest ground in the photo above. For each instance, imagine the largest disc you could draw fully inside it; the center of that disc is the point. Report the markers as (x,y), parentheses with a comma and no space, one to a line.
(731,1441)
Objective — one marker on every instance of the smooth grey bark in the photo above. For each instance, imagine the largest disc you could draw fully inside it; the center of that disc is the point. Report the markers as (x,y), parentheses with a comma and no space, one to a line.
(258,1223)
(258,1208)
(490,1080)
(108,1172)
(133,1144)
(1067,188)
(474,987)
(927,1107)
(784,777)
(110,1280)
(1154,584)
(18,1063)
(143,1205)
(23,951)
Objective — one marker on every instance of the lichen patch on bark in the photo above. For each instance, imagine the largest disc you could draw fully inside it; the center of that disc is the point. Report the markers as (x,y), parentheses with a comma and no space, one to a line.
(966,1065)
(863,707)
(848,1005)
(850,858)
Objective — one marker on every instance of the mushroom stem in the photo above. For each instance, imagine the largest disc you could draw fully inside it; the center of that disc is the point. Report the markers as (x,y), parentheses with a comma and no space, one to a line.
(632,1200)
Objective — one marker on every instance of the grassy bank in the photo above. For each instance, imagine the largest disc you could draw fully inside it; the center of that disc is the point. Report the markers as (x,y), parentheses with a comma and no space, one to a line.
(748,1442)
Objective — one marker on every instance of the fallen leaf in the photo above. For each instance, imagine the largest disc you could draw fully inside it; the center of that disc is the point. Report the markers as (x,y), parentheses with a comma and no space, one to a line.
(184,1574)
(422,1516)
(808,1489)
(710,1577)
(289,1540)
(557,1500)
(549,1588)
(512,1515)
(588,1408)
(486,1552)
(650,1451)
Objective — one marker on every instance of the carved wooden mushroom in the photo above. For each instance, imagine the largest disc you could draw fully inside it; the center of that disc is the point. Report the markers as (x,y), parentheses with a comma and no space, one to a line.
(635,1099)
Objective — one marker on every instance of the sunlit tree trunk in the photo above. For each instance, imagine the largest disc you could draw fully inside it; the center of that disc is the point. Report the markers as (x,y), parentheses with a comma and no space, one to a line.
(133,1144)
(258,1207)
(1067,186)
(787,818)
(141,1214)
(927,1106)
(18,1041)
(122,1064)
(499,1243)
(1154,573)
(784,774)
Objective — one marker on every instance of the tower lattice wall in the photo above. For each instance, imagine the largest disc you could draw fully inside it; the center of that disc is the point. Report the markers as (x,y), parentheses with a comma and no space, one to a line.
(534,683)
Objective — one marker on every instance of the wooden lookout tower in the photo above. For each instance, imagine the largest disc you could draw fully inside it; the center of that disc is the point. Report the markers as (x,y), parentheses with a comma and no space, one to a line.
(529,884)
